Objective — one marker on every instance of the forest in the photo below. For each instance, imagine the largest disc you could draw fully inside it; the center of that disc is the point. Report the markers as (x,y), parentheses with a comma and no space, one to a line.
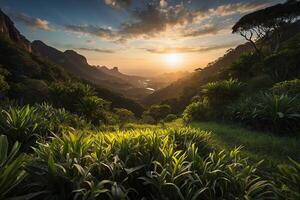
(226,131)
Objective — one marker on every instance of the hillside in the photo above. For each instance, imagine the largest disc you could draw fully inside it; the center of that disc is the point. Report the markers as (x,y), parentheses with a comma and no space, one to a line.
(190,85)
(29,75)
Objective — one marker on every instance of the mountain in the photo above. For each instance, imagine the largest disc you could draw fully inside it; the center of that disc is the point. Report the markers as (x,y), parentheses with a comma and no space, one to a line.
(135,87)
(78,66)
(7,28)
(190,84)
(29,75)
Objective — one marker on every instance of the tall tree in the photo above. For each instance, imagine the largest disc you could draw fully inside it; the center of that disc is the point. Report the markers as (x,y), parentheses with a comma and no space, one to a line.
(266,24)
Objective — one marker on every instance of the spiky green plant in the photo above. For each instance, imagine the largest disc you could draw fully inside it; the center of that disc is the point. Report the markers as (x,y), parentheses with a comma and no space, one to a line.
(288,180)
(20,124)
(11,172)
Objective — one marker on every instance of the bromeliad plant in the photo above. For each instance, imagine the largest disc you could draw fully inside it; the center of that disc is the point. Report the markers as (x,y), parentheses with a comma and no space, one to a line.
(11,172)
(149,164)
(20,124)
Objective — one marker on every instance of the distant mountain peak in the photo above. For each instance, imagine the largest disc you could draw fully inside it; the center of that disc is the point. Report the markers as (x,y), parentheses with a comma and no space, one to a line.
(116,69)
(8,29)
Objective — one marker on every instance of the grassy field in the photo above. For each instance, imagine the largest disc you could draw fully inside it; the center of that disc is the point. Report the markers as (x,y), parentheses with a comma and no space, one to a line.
(256,145)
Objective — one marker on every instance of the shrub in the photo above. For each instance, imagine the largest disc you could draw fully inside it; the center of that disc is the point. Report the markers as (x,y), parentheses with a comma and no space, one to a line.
(158,112)
(145,164)
(244,67)
(124,115)
(288,180)
(222,93)
(11,172)
(277,113)
(92,107)
(282,65)
(170,117)
(57,119)
(68,95)
(20,124)
(197,111)
(287,87)
(4,87)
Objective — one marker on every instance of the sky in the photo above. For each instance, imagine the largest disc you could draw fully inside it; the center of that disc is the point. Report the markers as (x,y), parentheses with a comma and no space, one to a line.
(142,37)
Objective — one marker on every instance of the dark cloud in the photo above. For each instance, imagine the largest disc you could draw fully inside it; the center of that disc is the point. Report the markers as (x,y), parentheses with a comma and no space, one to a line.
(118,3)
(104,33)
(190,49)
(158,17)
(153,20)
(96,50)
(31,21)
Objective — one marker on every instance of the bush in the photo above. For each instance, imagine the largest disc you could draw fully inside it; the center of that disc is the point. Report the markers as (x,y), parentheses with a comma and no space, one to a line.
(57,119)
(4,87)
(158,112)
(244,67)
(282,65)
(197,111)
(287,87)
(11,172)
(222,93)
(170,117)
(161,164)
(124,115)
(277,113)
(21,125)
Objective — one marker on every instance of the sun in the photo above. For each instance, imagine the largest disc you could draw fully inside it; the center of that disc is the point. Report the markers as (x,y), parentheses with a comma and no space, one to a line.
(173,59)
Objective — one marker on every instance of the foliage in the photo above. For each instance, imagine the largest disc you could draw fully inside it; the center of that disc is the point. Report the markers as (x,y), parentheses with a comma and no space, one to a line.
(222,93)
(57,119)
(145,164)
(81,98)
(289,180)
(244,67)
(11,172)
(261,25)
(92,107)
(282,65)
(197,111)
(170,117)
(124,115)
(287,87)
(4,87)
(278,113)
(21,124)
(158,112)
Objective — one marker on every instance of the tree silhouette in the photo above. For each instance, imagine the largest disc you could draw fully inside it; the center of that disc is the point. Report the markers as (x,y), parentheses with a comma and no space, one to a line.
(266,24)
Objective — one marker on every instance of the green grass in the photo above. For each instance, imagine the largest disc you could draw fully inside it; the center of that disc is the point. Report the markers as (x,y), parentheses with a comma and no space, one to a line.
(256,145)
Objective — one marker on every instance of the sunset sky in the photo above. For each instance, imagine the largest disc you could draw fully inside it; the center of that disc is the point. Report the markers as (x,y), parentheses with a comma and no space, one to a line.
(141,37)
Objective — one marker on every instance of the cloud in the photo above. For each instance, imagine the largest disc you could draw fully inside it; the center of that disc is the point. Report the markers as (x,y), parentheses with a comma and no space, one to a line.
(159,17)
(163,3)
(153,20)
(96,50)
(118,3)
(238,8)
(103,33)
(190,49)
(32,21)
(208,30)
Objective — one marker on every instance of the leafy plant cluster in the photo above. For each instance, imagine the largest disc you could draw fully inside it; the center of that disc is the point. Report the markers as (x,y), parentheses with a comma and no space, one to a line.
(29,123)
(141,164)
(276,110)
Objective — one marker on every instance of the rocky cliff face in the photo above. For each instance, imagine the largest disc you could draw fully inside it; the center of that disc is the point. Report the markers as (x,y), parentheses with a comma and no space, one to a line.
(8,29)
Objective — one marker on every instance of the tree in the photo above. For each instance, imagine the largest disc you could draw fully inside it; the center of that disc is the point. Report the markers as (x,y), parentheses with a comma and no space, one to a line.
(3,87)
(158,112)
(262,25)
(124,115)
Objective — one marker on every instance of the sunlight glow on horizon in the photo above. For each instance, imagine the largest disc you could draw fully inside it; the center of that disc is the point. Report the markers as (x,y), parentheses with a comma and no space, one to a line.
(173,59)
